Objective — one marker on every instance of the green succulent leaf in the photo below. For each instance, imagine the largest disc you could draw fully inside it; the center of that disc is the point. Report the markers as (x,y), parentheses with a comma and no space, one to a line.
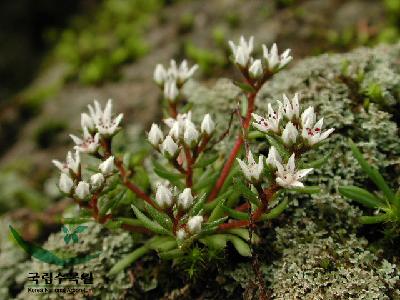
(149,224)
(241,246)
(276,211)
(362,196)
(374,219)
(171,254)
(198,205)
(128,260)
(160,217)
(307,190)
(372,173)
(244,87)
(246,191)
(239,215)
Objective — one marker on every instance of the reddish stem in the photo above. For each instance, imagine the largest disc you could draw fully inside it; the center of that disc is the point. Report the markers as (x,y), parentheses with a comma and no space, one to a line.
(173,111)
(106,144)
(189,167)
(235,150)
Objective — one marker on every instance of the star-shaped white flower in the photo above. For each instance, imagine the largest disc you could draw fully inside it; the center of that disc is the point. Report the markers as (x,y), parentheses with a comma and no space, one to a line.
(288,176)
(242,51)
(105,124)
(274,60)
(313,134)
(89,143)
(270,123)
(184,72)
(290,108)
(252,170)
(71,163)
(273,158)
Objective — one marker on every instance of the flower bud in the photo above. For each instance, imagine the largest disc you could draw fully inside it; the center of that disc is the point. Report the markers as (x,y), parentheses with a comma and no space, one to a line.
(155,135)
(107,166)
(164,196)
(185,199)
(181,234)
(171,91)
(65,183)
(160,74)
(191,135)
(82,190)
(169,147)
(96,180)
(194,224)
(256,69)
(289,134)
(207,125)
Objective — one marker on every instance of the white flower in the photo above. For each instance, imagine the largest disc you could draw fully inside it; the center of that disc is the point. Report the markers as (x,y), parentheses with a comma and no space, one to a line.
(155,135)
(207,125)
(181,234)
(96,180)
(289,134)
(181,118)
(290,108)
(274,60)
(273,157)
(288,177)
(82,190)
(160,74)
(177,130)
(169,146)
(252,170)
(171,91)
(314,134)
(107,166)
(87,122)
(271,123)
(65,183)
(185,199)
(70,164)
(89,143)
(242,51)
(105,125)
(184,73)
(256,69)
(191,135)
(164,196)
(194,224)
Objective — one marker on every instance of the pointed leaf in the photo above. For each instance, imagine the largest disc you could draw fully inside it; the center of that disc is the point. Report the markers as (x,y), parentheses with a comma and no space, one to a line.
(160,217)
(246,191)
(198,205)
(80,229)
(128,260)
(67,238)
(244,86)
(276,211)
(215,241)
(372,173)
(149,224)
(374,219)
(241,246)
(239,215)
(362,196)
(74,238)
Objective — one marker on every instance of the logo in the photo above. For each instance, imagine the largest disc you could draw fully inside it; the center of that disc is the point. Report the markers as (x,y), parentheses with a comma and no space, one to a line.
(49,257)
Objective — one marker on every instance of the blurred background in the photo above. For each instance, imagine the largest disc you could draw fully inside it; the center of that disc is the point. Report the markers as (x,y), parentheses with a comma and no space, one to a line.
(57,56)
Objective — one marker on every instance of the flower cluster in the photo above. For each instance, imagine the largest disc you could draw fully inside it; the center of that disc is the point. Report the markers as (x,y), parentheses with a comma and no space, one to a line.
(271,62)
(292,127)
(178,206)
(99,124)
(299,134)
(172,79)
(183,133)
